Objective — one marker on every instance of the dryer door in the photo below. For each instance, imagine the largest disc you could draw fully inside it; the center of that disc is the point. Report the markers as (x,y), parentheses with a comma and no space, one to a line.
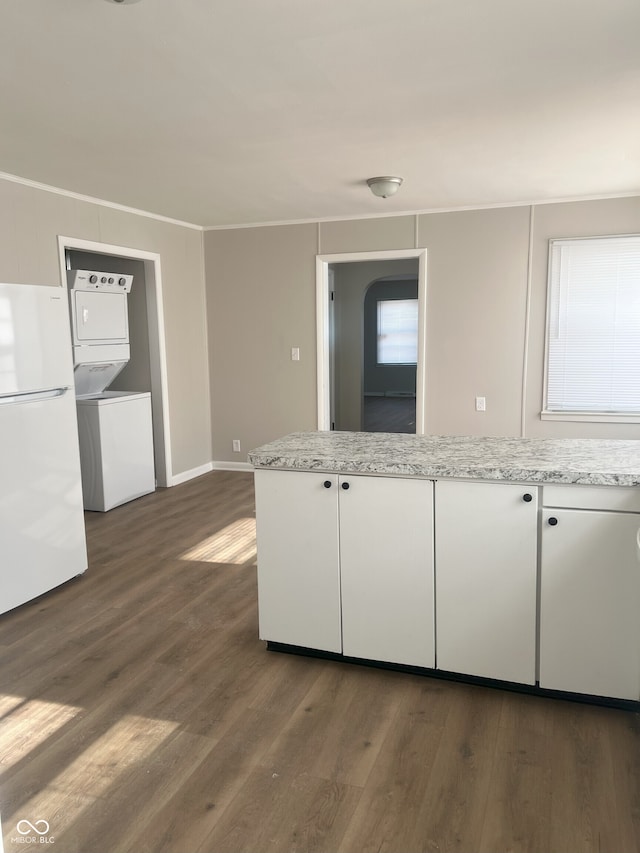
(99,317)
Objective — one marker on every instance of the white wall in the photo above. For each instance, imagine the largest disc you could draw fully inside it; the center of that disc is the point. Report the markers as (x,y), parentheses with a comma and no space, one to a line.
(260,303)
(481,340)
(31,219)
(476,300)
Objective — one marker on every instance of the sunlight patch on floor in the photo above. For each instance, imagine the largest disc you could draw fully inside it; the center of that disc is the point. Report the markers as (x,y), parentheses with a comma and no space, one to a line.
(27,725)
(127,746)
(127,742)
(235,543)
(9,703)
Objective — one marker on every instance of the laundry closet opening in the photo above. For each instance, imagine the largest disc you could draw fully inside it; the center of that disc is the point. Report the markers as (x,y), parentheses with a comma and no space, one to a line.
(122,414)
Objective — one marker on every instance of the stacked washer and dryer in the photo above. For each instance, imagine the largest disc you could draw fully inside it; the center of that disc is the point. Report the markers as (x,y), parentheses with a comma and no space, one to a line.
(115,427)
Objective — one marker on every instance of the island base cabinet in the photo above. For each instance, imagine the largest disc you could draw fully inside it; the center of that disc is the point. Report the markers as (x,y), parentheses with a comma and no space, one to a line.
(298,559)
(345,564)
(486,575)
(386,567)
(590,603)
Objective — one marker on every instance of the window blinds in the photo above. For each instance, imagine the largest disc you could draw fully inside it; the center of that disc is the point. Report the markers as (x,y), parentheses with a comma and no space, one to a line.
(397,331)
(593,339)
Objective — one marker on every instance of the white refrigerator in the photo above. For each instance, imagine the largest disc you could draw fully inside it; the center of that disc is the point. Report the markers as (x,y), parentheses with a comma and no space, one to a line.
(42,537)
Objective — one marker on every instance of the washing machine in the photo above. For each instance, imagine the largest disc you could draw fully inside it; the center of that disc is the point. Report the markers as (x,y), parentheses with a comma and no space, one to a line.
(115,428)
(116,448)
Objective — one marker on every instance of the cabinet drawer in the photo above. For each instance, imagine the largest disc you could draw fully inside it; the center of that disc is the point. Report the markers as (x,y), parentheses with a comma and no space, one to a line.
(620,498)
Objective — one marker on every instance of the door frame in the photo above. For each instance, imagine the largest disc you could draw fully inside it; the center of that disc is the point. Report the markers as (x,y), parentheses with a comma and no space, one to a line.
(323,326)
(157,347)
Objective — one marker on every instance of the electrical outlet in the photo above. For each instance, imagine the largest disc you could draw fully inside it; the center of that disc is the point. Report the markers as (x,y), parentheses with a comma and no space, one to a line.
(481,404)
(236,445)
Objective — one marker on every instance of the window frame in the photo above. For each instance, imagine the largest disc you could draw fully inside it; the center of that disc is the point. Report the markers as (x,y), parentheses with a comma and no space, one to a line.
(575,416)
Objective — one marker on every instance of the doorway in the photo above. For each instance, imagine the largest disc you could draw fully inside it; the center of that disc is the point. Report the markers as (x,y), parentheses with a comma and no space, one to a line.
(147,367)
(390,333)
(357,389)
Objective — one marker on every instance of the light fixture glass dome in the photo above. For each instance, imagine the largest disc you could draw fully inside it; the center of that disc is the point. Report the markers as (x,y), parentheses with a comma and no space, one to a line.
(384,186)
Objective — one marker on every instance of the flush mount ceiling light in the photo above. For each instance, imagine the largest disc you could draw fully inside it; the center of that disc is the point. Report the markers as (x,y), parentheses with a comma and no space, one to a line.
(384,186)
(123,2)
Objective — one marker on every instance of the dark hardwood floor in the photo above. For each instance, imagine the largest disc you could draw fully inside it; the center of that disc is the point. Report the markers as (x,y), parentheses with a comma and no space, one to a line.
(389,414)
(140,712)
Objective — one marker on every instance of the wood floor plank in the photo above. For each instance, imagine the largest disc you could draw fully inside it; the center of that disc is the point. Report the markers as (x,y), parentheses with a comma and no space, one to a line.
(583,782)
(191,815)
(142,790)
(272,813)
(451,814)
(338,728)
(624,740)
(518,810)
(392,797)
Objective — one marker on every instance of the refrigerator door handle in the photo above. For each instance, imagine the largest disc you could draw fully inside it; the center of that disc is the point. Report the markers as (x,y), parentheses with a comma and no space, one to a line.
(34,396)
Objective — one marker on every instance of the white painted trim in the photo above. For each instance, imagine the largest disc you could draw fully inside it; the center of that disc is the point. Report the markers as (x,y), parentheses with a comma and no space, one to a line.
(157,345)
(322,326)
(185,476)
(384,255)
(421,369)
(592,417)
(232,466)
(25,182)
(323,368)
(527,323)
(422,212)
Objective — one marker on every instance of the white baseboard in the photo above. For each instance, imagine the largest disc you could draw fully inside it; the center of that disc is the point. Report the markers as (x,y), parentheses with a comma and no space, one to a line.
(191,474)
(205,469)
(232,466)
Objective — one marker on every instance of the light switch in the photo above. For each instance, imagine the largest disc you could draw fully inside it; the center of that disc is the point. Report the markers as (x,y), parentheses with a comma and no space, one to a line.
(295,353)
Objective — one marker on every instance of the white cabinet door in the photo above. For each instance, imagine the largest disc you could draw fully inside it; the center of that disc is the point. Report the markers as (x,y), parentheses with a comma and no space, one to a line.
(590,603)
(486,544)
(298,562)
(386,559)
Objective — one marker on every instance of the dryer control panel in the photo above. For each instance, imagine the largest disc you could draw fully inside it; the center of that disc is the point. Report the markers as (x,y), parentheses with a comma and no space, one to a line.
(109,282)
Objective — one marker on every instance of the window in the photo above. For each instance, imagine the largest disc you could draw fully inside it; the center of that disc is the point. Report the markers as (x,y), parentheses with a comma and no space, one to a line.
(397,331)
(593,329)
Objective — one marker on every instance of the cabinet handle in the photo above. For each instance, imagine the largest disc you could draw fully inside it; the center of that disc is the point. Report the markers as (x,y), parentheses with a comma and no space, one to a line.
(345,486)
(553,521)
(327,484)
(527,498)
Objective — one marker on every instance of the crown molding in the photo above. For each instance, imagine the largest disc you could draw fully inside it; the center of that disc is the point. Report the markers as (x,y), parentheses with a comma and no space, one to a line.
(422,211)
(36,185)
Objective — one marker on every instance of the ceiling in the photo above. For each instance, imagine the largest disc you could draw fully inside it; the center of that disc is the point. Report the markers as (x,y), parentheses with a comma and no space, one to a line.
(222,112)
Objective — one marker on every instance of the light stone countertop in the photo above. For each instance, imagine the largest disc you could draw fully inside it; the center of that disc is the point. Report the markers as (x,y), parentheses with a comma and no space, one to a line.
(599,462)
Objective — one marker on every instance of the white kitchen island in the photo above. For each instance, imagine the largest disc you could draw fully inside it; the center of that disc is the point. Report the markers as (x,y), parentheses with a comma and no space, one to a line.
(510,560)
